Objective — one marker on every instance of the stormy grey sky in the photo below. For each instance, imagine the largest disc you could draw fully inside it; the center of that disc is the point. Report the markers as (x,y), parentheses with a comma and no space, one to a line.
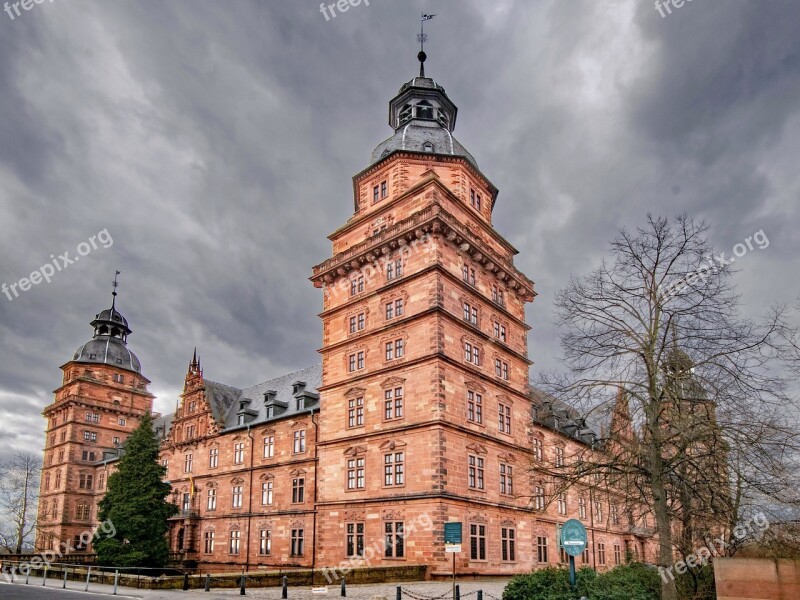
(216,142)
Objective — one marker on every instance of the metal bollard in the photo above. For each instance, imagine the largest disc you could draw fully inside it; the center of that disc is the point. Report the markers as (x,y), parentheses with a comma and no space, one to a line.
(66,571)
(480,594)
(344,588)
(458,592)
(116,581)
(44,577)
(28,574)
(242,591)
(12,569)
(185,581)
(399,595)
(208,582)
(285,592)
(88,575)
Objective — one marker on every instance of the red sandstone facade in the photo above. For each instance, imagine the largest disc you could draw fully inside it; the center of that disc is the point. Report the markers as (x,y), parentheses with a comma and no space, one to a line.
(422,412)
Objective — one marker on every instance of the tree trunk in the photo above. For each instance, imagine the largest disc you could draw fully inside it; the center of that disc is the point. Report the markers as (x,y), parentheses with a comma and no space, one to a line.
(663,525)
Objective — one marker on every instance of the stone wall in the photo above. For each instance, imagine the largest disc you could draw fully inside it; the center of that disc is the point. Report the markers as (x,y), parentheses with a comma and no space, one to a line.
(757,579)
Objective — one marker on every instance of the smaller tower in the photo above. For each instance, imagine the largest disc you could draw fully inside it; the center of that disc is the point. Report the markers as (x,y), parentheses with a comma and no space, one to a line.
(101,399)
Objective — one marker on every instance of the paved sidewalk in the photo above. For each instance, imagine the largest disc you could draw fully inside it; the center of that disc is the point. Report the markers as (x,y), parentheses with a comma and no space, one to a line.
(492,589)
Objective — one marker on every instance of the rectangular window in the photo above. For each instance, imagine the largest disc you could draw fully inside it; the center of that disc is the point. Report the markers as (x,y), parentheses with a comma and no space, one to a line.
(541,549)
(187,463)
(559,456)
(598,511)
(237,496)
(208,545)
(298,490)
(355,473)
(395,542)
(92,417)
(477,541)
(267,489)
(355,412)
(394,468)
(90,436)
(58,480)
(212,499)
(508,544)
(389,311)
(298,542)
(356,285)
(376,190)
(394,269)
(115,440)
(468,275)
(474,407)
(264,542)
(614,515)
(236,539)
(355,539)
(85,482)
(213,458)
(356,361)
(538,498)
(506,479)
(581,508)
(617,554)
(393,404)
(601,553)
(299,441)
(238,453)
(504,418)
(537,449)
(122,422)
(472,354)
(562,504)
(475,470)
(384,189)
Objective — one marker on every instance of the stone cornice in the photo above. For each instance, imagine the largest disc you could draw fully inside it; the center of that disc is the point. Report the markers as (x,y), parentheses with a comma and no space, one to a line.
(432,220)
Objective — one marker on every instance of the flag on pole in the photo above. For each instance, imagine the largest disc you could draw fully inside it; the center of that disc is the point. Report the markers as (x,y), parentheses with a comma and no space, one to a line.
(427,17)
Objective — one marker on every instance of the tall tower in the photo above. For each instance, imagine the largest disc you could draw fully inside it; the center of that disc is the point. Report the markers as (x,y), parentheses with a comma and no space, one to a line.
(425,404)
(99,403)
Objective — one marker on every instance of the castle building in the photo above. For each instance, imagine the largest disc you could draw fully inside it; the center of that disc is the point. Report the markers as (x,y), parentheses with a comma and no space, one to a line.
(420,414)
(102,396)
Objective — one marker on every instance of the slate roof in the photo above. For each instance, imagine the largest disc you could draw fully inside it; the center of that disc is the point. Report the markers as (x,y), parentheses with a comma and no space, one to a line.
(414,135)
(559,416)
(107,350)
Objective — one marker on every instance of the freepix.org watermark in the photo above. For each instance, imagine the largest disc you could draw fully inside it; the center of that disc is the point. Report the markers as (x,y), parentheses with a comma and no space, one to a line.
(48,557)
(48,270)
(758,240)
(755,526)
(662,5)
(12,8)
(341,5)
(422,522)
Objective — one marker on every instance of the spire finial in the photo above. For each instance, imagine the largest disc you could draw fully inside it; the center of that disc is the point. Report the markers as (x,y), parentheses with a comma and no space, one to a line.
(422,38)
(114,293)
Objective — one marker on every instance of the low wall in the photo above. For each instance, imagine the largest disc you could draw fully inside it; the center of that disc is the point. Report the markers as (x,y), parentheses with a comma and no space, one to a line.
(295,578)
(757,578)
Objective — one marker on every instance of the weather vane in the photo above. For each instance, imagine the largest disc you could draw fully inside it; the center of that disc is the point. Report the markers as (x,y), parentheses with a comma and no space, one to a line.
(422,38)
(114,293)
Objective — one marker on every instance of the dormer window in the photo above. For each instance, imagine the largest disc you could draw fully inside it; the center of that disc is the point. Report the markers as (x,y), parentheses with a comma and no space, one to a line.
(425,110)
(441,117)
(428,147)
(297,387)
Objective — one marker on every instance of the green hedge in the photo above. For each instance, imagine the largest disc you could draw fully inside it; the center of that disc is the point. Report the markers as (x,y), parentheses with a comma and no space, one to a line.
(629,582)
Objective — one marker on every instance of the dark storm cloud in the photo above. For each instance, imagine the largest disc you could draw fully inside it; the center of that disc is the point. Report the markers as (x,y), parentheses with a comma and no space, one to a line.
(216,143)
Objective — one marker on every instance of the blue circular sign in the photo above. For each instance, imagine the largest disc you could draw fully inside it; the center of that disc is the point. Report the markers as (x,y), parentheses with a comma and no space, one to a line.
(573,537)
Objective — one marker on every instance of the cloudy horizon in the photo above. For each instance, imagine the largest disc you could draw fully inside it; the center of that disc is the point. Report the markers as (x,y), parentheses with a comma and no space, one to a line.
(215,145)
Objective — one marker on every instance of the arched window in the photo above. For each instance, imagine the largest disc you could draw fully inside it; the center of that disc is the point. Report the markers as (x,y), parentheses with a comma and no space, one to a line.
(405,114)
(424,110)
(441,117)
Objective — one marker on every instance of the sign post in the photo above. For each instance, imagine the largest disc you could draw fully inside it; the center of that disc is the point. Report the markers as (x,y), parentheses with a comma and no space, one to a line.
(573,540)
(452,543)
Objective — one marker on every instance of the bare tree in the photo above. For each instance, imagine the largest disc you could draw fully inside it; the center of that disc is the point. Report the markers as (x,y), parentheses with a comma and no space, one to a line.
(19,492)
(709,425)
